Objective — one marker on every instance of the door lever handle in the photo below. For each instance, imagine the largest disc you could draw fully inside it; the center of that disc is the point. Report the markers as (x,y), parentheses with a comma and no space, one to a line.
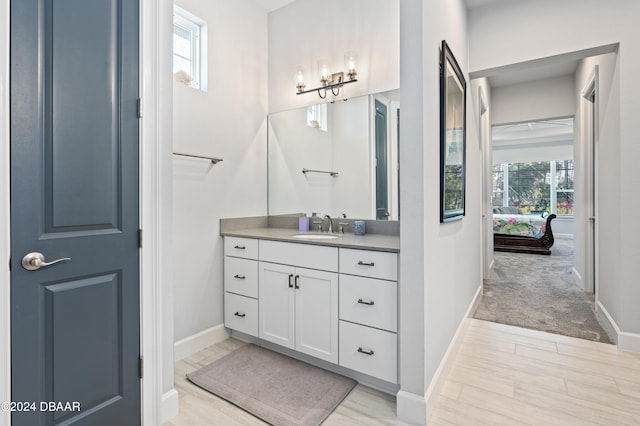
(35,260)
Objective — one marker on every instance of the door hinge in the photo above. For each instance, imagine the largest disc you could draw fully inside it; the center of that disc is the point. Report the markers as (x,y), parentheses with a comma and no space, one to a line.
(141,368)
(139,238)
(139,107)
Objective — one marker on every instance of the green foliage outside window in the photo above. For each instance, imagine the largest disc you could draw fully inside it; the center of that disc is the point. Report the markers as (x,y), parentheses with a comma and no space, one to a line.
(529,186)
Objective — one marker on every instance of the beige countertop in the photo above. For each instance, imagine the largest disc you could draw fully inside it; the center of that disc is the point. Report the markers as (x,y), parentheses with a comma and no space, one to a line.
(381,242)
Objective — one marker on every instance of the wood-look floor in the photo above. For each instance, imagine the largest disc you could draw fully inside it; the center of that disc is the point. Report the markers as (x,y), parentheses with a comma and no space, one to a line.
(504,375)
(501,375)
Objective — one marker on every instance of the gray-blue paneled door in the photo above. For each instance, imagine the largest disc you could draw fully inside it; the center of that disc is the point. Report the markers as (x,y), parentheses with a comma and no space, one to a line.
(75,325)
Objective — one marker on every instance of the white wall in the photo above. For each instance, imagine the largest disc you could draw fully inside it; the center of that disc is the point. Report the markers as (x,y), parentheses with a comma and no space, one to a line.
(305,31)
(481,88)
(227,121)
(545,28)
(534,100)
(354,191)
(440,267)
(452,258)
(608,100)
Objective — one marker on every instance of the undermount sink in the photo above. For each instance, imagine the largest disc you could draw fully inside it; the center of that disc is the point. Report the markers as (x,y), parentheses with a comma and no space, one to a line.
(315,236)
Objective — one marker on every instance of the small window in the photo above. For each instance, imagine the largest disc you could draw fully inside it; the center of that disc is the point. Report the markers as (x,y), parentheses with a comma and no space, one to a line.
(189,49)
(317,116)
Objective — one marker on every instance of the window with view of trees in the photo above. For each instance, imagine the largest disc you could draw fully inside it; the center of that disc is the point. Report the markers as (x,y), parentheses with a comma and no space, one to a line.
(536,187)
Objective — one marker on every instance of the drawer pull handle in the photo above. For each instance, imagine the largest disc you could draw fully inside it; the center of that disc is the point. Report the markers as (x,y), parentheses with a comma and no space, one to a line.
(364,302)
(362,351)
(238,314)
(240,247)
(290,280)
(360,262)
(297,281)
(240,277)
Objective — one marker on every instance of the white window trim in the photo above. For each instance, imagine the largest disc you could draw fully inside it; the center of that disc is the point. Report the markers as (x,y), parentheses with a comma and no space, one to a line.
(198,26)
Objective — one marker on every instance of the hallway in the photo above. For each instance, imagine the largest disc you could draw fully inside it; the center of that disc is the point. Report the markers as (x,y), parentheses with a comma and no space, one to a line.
(540,293)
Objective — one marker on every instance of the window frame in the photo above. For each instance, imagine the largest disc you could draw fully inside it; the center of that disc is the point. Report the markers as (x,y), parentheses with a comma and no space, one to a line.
(198,28)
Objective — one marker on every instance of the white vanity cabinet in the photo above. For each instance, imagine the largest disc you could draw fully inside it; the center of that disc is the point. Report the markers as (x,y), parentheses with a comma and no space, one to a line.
(241,285)
(369,312)
(298,309)
(336,304)
(298,297)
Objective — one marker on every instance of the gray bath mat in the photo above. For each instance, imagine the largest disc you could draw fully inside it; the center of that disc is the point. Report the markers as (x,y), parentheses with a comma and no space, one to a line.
(278,389)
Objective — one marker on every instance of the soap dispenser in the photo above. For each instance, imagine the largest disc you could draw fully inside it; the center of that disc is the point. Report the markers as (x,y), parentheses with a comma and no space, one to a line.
(303,223)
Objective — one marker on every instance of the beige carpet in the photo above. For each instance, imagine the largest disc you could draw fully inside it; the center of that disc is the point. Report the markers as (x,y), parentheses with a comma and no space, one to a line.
(540,292)
(278,389)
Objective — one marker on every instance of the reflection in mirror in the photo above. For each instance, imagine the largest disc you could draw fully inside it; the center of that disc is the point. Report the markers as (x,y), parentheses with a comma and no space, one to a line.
(349,153)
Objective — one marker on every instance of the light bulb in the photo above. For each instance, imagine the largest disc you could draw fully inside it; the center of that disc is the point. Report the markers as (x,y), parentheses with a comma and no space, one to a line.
(323,70)
(351,62)
(300,85)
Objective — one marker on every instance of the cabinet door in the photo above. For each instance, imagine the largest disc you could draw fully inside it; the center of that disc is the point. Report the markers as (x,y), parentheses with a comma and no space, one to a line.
(276,304)
(316,295)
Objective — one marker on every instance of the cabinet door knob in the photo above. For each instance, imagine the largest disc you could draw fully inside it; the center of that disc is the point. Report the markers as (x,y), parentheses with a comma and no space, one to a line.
(362,351)
(290,280)
(365,302)
(238,314)
(240,277)
(240,247)
(360,262)
(297,279)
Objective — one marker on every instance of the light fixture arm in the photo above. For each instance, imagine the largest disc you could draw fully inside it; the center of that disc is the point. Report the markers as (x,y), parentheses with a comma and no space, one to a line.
(331,87)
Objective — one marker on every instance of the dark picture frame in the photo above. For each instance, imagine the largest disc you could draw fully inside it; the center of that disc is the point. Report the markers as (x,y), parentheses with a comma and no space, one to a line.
(453,137)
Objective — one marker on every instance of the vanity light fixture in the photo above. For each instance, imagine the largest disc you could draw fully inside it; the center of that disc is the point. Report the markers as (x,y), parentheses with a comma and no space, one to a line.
(330,81)
(300,85)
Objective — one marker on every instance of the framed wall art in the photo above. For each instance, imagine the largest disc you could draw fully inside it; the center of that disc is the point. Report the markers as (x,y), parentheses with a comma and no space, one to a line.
(453,105)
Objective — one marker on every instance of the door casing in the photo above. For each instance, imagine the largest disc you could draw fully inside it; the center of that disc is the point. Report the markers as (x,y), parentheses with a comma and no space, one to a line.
(155,218)
(589,116)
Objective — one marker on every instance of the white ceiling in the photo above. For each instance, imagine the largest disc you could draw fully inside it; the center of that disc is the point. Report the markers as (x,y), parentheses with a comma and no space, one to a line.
(544,131)
(532,73)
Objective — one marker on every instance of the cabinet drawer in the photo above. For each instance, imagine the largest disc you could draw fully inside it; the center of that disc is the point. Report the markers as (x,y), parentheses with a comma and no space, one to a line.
(241,276)
(369,301)
(374,264)
(303,255)
(370,351)
(241,313)
(241,247)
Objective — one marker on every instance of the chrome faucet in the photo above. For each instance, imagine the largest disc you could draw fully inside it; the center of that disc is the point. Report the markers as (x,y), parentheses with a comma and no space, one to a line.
(330,228)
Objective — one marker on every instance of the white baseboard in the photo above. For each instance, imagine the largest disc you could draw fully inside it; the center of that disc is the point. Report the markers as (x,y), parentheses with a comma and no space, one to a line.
(445,364)
(192,344)
(629,341)
(411,408)
(169,405)
(625,341)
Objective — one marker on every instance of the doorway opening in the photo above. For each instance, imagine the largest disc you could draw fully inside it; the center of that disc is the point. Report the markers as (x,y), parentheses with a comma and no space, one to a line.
(543,182)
